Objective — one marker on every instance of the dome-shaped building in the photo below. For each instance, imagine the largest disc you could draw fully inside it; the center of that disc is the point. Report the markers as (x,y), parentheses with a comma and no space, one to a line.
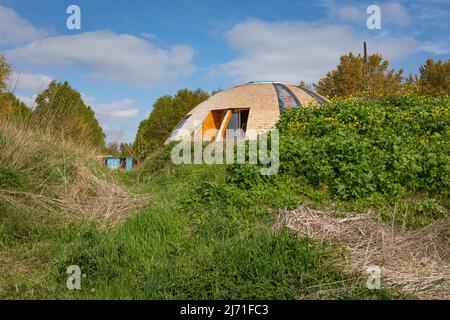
(247,110)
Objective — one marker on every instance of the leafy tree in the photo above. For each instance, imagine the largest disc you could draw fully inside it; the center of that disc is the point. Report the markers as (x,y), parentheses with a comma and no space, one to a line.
(166,114)
(112,149)
(434,78)
(5,72)
(118,150)
(125,149)
(12,107)
(353,77)
(305,85)
(64,112)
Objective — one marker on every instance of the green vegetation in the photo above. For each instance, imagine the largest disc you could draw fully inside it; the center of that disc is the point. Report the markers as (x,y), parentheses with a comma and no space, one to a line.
(167,112)
(64,111)
(393,152)
(208,231)
(119,150)
(5,72)
(12,107)
(60,111)
(195,240)
(395,146)
(434,78)
(352,77)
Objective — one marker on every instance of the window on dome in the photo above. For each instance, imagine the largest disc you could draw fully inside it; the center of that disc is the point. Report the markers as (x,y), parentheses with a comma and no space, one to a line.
(314,95)
(237,125)
(286,99)
(180,124)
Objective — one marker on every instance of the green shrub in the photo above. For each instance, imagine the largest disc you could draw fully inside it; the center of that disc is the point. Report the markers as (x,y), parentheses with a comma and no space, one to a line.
(353,148)
(244,176)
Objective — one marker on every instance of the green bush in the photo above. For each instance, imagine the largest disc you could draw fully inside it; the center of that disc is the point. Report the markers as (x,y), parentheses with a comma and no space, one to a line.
(356,148)
(399,145)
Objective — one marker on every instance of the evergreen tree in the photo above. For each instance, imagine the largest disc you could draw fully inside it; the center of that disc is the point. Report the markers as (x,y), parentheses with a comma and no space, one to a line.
(63,110)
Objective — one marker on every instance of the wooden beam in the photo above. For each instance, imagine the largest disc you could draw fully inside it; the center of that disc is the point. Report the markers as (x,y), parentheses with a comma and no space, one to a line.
(223,125)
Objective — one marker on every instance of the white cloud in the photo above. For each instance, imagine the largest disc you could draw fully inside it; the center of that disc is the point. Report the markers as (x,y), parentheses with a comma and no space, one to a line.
(293,51)
(348,13)
(105,55)
(115,133)
(392,13)
(395,13)
(14,30)
(124,114)
(29,101)
(118,109)
(121,58)
(29,81)
(436,48)
(149,36)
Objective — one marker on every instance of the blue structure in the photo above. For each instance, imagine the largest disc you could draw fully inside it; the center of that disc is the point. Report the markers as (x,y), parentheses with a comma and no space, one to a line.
(125,164)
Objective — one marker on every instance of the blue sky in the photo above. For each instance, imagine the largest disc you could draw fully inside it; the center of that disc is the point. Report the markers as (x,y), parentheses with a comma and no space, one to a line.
(127,54)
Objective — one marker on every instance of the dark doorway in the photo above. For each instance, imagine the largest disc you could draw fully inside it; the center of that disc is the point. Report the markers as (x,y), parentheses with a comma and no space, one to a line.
(237,126)
(244,119)
(123,163)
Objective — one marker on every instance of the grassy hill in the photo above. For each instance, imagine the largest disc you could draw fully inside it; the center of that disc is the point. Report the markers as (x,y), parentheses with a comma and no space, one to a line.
(201,232)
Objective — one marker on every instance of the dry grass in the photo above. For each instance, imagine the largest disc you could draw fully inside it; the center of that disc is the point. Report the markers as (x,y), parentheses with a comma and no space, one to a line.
(77,186)
(416,261)
(89,197)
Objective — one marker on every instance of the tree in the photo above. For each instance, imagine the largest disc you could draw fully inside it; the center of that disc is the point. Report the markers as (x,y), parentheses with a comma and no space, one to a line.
(304,85)
(64,112)
(353,78)
(166,114)
(5,72)
(434,78)
(125,149)
(118,150)
(12,107)
(112,149)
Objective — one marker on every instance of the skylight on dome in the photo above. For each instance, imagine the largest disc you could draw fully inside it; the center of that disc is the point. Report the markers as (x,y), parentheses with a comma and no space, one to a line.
(286,98)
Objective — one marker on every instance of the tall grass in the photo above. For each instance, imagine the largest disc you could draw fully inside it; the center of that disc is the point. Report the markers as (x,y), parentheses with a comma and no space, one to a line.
(44,185)
(41,173)
(198,237)
(188,246)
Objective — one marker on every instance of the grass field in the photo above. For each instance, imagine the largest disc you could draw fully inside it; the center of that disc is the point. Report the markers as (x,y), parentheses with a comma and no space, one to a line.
(188,243)
(182,232)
